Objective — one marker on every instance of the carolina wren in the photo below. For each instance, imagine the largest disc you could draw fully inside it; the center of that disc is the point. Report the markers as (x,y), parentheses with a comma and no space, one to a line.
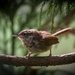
(38,41)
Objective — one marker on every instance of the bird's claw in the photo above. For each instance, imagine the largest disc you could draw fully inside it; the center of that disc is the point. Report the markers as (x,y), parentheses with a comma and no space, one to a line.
(27,56)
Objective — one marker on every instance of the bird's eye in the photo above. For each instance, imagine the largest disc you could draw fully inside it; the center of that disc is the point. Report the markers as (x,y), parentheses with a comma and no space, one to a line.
(24,34)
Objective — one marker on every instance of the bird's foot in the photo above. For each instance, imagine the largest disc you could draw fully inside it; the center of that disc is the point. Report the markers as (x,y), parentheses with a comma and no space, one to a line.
(27,56)
(50,58)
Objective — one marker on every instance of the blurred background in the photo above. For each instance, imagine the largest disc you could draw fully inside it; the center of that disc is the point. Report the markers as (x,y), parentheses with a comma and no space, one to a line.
(48,15)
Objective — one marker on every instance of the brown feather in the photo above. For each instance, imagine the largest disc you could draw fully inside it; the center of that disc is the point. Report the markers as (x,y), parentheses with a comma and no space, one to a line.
(48,39)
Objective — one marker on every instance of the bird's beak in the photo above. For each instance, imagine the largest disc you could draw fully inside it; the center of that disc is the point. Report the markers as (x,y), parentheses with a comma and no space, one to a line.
(16,35)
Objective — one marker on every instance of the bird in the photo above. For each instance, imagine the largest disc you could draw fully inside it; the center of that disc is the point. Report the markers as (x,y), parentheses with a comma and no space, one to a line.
(38,41)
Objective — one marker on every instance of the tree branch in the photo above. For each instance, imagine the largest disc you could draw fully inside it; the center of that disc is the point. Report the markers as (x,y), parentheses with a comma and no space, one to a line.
(38,61)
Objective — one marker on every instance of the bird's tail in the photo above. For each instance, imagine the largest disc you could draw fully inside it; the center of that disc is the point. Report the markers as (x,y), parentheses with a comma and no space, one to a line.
(62,31)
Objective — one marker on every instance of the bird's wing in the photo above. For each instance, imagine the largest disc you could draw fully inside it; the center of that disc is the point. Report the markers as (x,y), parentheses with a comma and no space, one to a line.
(48,39)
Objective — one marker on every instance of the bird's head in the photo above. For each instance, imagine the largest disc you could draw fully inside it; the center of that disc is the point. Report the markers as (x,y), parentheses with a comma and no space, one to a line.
(25,34)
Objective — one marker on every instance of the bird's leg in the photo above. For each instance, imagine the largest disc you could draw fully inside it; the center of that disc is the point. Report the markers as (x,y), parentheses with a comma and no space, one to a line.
(28,55)
(50,57)
(50,53)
